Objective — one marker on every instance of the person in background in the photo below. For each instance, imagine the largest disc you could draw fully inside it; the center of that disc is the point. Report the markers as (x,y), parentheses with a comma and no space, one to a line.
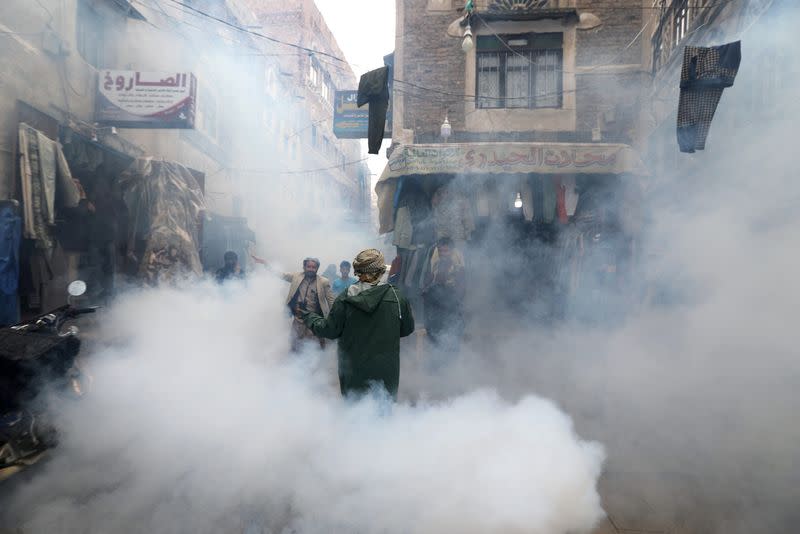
(308,292)
(330,273)
(368,320)
(231,269)
(443,296)
(343,281)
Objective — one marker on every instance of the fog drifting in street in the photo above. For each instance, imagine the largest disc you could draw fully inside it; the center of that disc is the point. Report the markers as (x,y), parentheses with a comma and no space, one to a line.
(198,423)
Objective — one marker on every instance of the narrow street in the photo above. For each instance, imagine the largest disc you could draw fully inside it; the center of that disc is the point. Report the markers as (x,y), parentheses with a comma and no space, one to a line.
(399,266)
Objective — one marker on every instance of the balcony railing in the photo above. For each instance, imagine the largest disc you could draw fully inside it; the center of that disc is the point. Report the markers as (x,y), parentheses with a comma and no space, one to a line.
(515,5)
(518,6)
(678,20)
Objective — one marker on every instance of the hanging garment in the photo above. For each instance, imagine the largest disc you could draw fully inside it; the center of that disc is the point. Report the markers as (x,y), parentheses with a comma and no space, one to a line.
(526,194)
(704,75)
(47,170)
(409,272)
(570,194)
(419,208)
(373,88)
(403,229)
(405,260)
(425,266)
(538,200)
(10,235)
(561,201)
(165,202)
(398,191)
(587,212)
(68,190)
(549,199)
(84,157)
(47,185)
(26,184)
(34,190)
(489,202)
(482,202)
(452,215)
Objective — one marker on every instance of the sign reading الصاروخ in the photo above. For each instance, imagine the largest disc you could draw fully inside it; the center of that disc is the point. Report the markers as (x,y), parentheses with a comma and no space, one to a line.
(136,99)
(514,158)
(351,121)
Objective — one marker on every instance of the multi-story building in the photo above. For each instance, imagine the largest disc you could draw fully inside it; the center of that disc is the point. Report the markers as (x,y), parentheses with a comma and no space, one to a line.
(527,112)
(245,145)
(741,191)
(315,74)
(537,70)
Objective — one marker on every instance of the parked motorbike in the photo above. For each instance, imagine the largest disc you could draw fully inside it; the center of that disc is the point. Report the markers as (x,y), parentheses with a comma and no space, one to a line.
(35,355)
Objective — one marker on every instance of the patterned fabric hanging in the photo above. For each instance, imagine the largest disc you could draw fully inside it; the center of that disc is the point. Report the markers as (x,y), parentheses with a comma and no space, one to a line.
(704,75)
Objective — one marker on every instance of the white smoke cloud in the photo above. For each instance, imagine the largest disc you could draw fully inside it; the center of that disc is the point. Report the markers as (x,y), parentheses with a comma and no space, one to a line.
(198,422)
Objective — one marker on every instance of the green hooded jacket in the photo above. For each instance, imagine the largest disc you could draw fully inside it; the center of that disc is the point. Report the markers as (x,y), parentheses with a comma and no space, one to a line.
(369,326)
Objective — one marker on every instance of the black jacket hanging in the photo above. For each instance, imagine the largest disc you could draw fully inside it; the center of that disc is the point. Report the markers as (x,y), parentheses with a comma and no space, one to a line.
(373,88)
(704,74)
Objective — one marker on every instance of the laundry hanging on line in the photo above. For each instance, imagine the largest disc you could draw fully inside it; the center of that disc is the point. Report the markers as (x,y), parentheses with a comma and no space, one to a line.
(47,184)
(706,71)
(373,89)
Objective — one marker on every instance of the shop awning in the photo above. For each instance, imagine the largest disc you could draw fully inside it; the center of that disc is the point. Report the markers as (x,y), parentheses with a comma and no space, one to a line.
(500,158)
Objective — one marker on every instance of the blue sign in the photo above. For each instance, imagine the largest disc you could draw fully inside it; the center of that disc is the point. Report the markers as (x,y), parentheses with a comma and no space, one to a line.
(351,121)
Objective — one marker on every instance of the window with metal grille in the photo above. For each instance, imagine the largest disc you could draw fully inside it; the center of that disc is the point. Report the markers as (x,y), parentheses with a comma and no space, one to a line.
(520,71)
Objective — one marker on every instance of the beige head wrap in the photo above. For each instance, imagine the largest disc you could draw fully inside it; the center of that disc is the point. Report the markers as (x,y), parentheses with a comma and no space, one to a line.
(369,265)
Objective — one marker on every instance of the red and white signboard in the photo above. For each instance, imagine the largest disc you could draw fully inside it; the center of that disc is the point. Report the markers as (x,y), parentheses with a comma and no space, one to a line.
(133,99)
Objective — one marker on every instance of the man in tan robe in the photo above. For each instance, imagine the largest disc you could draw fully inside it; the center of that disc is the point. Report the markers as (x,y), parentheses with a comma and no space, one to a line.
(308,292)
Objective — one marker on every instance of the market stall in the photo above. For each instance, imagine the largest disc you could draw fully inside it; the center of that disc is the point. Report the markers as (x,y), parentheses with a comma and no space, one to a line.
(562,195)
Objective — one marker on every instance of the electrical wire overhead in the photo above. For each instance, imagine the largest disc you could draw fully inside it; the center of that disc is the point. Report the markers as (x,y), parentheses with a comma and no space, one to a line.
(257,34)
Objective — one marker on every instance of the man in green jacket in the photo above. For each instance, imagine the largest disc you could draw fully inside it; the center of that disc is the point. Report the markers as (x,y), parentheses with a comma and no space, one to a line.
(368,320)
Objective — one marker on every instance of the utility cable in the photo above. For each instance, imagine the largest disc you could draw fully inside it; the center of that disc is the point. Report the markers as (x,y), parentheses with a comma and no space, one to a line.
(233,41)
(316,52)
(258,34)
(339,166)
(466,97)
(305,171)
(301,130)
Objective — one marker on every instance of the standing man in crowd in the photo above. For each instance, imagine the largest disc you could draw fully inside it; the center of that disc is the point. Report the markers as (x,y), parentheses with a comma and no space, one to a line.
(330,273)
(308,293)
(368,320)
(345,280)
(231,270)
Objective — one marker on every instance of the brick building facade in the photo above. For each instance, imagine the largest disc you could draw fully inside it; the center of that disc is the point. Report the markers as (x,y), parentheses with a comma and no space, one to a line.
(542,98)
(603,70)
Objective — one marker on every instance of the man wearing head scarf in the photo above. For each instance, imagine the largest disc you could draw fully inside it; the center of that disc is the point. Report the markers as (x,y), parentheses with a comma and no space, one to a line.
(308,292)
(368,320)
